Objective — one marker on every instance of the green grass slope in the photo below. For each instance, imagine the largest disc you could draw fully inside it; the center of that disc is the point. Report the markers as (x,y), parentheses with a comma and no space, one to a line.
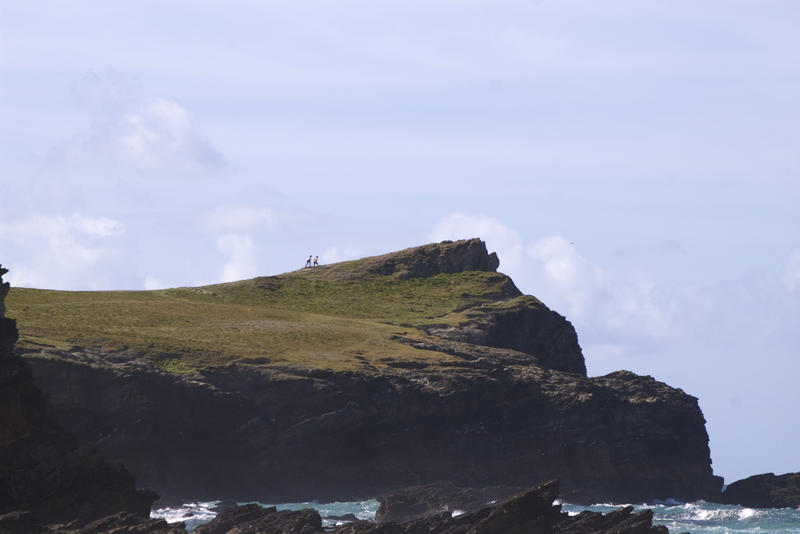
(344,316)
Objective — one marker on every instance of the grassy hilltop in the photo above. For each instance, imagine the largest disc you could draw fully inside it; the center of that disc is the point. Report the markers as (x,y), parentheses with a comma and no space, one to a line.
(344,316)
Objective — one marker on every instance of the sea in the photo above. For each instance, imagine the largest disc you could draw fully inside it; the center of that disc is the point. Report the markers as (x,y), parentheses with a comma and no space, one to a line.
(696,517)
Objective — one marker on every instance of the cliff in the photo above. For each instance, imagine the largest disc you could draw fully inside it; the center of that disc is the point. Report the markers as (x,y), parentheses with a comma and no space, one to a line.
(348,380)
(47,476)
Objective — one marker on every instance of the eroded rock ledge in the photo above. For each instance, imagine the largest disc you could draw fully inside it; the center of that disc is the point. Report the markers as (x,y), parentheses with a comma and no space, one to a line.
(436,258)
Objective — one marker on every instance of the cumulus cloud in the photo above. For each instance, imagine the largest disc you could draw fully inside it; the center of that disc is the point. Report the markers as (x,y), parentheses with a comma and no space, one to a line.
(552,268)
(135,132)
(241,263)
(498,236)
(151,282)
(68,249)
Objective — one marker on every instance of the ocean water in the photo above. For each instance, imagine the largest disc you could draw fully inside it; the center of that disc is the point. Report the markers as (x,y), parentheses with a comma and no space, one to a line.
(709,518)
(696,517)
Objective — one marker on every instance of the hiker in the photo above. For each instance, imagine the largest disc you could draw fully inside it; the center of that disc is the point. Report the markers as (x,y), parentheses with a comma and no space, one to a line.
(316,261)
(308,261)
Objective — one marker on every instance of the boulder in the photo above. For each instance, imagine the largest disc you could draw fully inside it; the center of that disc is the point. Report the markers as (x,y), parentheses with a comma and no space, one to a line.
(767,490)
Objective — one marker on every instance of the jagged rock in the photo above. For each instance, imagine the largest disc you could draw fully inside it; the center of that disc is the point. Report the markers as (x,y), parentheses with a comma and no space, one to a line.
(19,522)
(525,325)
(765,491)
(128,523)
(529,512)
(421,501)
(8,327)
(255,519)
(4,288)
(429,260)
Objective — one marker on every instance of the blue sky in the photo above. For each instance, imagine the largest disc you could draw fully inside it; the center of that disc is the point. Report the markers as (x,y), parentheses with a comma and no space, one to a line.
(635,164)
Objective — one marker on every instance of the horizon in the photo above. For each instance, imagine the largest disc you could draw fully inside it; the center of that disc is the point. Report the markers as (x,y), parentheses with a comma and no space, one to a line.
(633,165)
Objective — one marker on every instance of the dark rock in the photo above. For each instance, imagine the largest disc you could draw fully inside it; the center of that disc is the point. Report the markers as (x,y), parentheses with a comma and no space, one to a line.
(436,258)
(765,491)
(19,522)
(529,512)
(44,471)
(422,501)
(499,419)
(255,519)
(525,325)
(128,523)
(345,517)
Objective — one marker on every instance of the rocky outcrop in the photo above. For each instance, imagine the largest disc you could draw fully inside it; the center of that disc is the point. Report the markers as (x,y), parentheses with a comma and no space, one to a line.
(765,491)
(46,476)
(530,512)
(8,327)
(523,324)
(429,260)
(128,523)
(416,502)
(256,519)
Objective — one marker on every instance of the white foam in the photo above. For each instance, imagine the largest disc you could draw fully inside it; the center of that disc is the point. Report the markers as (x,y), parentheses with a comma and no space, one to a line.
(747,513)
(193,514)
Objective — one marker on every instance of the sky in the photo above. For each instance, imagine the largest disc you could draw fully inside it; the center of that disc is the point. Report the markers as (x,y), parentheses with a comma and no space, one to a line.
(634,163)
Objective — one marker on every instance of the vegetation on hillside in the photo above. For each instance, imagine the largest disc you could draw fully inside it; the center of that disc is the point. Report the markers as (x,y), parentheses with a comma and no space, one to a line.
(340,317)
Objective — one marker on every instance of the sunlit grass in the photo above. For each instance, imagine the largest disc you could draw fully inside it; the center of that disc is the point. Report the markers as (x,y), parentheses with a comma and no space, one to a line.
(338,317)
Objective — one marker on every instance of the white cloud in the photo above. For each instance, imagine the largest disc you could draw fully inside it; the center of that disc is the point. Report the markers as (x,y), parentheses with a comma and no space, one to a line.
(497,235)
(241,263)
(552,268)
(791,272)
(132,132)
(151,282)
(68,249)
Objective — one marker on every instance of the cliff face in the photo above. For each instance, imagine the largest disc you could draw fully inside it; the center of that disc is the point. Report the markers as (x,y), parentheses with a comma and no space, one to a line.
(46,476)
(451,375)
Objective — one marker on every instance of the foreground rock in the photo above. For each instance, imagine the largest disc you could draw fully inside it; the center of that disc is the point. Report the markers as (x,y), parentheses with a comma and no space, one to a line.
(46,476)
(765,491)
(509,405)
(252,518)
(422,501)
(530,512)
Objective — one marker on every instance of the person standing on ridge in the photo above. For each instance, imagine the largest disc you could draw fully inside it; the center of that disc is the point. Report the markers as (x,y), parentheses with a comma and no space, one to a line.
(316,261)
(308,261)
